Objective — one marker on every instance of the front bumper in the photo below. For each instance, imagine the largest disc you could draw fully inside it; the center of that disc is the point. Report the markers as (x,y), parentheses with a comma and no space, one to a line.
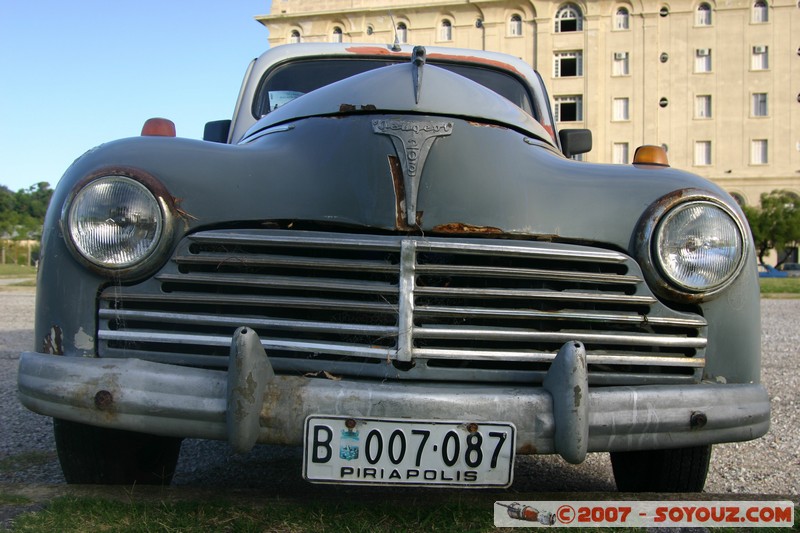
(250,404)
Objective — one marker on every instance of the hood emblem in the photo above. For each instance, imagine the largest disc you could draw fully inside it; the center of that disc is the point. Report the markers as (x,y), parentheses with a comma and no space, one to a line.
(412,141)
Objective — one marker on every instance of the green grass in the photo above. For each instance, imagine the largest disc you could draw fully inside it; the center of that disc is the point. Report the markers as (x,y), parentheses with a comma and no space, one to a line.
(16,271)
(91,514)
(68,514)
(782,286)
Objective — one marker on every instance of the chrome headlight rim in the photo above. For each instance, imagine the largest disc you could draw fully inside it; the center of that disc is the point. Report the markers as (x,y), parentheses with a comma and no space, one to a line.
(155,254)
(646,242)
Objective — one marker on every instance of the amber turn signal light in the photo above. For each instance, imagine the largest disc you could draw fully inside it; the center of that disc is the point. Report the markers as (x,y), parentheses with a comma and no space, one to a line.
(158,127)
(650,155)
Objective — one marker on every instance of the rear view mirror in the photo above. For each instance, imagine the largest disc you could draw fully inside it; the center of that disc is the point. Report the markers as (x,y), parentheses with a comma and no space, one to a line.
(575,141)
(217,131)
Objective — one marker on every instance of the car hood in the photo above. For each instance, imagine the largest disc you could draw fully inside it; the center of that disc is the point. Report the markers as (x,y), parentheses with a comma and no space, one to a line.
(341,172)
(406,88)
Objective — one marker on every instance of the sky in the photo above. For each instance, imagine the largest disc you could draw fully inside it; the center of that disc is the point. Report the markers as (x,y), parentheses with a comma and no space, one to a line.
(75,74)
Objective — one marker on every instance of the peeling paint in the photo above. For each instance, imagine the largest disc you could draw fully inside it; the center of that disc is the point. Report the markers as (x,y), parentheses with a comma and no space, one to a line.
(83,341)
(578,396)
(54,341)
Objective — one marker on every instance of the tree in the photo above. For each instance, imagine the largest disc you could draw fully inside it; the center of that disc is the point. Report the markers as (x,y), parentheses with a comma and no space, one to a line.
(776,223)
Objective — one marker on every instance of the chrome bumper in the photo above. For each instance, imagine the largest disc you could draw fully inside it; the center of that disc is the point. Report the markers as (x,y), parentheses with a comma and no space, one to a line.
(250,404)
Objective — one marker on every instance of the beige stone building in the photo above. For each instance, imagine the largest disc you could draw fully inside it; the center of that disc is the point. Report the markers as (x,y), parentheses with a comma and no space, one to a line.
(715,82)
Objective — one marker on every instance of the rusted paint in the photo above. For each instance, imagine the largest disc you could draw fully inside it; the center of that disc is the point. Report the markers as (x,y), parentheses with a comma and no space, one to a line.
(460,227)
(527,449)
(375,51)
(184,215)
(380,51)
(475,59)
(54,341)
(396,170)
(698,420)
(322,374)
(103,400)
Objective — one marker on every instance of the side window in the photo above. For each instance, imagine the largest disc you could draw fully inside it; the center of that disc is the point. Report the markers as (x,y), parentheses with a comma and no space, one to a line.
(446,31)
(569,108)
(621,64)
(760,58)
(568,64)
(759,105)
(760,12)
(702,106)
(703,15)
(569,18)
(621,109)
(515,26)
(622,19)
(402,33)
(702,60)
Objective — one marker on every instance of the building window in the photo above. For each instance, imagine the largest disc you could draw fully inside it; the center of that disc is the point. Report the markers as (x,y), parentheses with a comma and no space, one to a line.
(568,64)
(702,106)
(336,35)
(294,37)
(758,152)
(702,60)
(760,105)
(739,198)
(620,154)
(760,58)
(702,153)
(621,109)
(569,108)
(702,16)
(402,33)
(622,21)
(620,65)
(446,31)
(760,11)
(515,26)
(569,18)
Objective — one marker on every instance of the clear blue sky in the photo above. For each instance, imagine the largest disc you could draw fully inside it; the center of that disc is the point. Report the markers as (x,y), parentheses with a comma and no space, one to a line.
(75,74)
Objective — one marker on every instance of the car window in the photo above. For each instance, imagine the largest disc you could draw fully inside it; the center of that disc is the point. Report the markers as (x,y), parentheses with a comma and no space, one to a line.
(290,80)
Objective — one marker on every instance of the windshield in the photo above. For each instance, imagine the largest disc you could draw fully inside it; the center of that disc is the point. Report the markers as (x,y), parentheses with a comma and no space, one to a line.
(288,81)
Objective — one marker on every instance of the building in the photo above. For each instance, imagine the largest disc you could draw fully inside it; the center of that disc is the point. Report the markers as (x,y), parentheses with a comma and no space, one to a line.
(716,83)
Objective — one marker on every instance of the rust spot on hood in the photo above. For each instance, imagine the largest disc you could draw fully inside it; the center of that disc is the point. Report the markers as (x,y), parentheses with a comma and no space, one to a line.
(460,227)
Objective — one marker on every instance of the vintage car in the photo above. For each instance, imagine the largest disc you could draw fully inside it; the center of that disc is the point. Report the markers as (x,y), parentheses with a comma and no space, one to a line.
(389,257)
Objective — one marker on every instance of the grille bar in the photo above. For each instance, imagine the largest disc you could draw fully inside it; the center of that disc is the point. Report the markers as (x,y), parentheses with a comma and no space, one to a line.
(281,282)
(431,308)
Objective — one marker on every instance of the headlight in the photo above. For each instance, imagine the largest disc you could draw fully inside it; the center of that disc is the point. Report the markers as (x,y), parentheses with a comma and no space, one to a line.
(114,222)
(699,246)
(692,245)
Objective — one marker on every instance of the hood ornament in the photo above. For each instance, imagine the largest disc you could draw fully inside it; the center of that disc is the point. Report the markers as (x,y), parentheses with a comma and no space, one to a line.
(418,56)
(412,141)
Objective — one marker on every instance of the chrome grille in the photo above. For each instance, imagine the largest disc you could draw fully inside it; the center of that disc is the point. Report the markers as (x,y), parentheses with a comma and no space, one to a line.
(403,307)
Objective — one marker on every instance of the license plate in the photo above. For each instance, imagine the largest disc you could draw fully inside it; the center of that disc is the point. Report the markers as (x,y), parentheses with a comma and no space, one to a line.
(350,450)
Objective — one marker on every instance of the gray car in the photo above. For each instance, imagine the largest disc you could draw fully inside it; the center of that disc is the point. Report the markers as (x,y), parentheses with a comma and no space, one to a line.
(387,256)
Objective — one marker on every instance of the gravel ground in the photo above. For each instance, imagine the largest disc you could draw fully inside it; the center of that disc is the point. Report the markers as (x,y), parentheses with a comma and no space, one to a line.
(767,466)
